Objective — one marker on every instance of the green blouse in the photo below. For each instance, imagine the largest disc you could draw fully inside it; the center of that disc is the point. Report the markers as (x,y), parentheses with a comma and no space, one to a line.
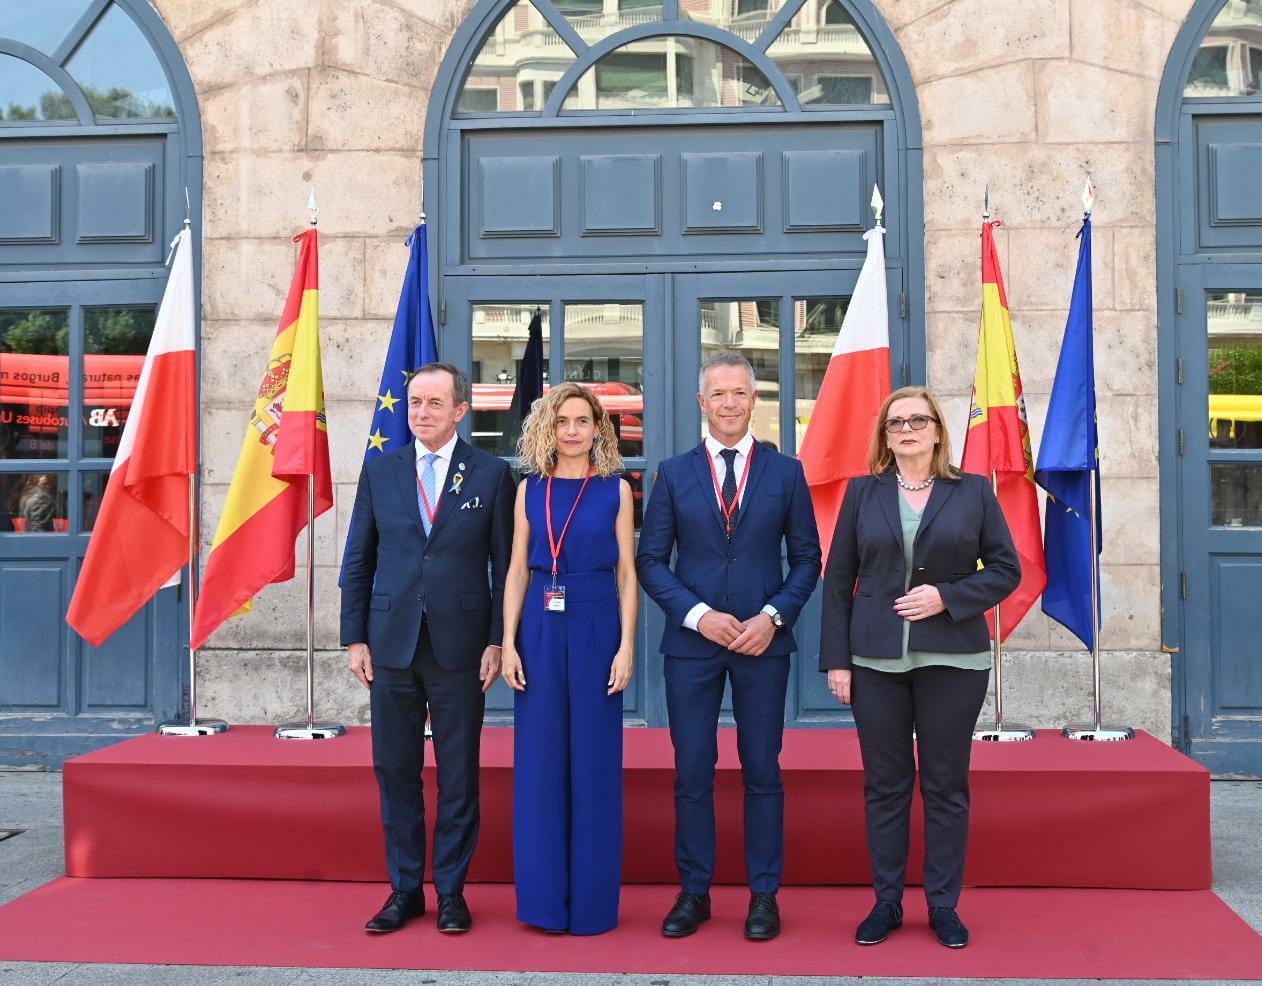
(913,659)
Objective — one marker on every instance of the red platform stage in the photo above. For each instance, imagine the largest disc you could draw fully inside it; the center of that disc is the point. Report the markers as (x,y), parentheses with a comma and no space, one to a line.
(1050,813)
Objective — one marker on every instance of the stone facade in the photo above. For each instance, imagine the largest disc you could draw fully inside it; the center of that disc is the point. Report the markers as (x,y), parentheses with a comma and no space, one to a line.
(1027,97)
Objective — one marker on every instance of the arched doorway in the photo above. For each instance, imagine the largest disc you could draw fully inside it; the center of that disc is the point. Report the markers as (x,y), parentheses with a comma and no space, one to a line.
(663,180)
(1209,276)
(99,139)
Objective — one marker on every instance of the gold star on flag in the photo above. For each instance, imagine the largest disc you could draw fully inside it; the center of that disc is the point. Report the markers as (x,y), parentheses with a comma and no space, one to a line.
(377,441)
(388,401)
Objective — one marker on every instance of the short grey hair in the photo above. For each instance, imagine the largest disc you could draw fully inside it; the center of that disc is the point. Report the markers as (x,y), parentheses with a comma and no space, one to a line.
(725,358)
(461,389)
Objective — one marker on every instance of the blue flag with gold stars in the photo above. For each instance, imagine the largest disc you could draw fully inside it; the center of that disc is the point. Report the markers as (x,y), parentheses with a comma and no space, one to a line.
(412,344)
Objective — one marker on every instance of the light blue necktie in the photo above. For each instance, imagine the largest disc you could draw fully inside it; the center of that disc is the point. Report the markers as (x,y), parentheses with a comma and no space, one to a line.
(429,483)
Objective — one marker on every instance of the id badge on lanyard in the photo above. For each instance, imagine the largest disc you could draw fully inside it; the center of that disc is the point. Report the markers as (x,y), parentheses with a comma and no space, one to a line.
(554,595)
(554,599)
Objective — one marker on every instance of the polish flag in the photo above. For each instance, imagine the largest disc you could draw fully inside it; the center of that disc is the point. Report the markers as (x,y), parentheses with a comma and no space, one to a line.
(835,446)
(140,540)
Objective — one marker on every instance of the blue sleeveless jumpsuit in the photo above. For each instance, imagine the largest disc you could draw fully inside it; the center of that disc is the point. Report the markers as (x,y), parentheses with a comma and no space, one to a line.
(567,756)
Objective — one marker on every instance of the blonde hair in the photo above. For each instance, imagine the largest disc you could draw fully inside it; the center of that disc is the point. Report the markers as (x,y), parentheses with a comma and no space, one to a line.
(881,456)
(537,447)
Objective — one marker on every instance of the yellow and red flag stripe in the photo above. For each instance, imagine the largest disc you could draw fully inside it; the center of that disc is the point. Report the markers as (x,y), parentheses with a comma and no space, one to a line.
(997,444)
(286,442)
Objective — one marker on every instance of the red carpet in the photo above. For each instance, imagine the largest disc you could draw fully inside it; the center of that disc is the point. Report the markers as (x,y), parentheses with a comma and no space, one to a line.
(1054,934)
(1048,813)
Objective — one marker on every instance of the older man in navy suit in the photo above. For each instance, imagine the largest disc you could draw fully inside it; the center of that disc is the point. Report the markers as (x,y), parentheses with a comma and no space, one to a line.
(728,508)
(423,624)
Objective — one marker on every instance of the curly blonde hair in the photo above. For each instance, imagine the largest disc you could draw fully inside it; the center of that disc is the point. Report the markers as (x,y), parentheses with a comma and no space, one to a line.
(537,447)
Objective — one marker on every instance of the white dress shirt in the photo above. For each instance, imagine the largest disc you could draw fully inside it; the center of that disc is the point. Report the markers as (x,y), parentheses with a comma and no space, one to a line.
(715,450)
(442,465)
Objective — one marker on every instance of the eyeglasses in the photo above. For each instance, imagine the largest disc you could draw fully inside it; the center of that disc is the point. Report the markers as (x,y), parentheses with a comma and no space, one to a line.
(918,422)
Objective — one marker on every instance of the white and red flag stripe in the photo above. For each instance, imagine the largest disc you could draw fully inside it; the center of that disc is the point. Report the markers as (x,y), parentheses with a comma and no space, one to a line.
(835,446)
(141,537)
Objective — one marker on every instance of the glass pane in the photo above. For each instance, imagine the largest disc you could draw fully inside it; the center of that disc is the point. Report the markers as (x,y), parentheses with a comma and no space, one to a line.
(1229,61)
(816,322)
(34,384)
(604,351)
(595,20)
(745,18)
(41,25)
(518,66)
(826,59)
(1235,493)
(26,93)
(671,73)
(1235,369)
(118,71)
(115,341)
(33,503)
(751,328)
(635,479)
(500,334)
(94,484)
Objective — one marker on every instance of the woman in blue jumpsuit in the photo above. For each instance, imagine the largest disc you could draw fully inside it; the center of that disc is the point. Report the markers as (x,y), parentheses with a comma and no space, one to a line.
(570,604)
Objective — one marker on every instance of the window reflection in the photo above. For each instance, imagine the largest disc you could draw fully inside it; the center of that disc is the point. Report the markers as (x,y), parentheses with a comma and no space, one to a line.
(41,25)
(604,351)
(595,20)
(118,71)
(518,65)
(1235,494)
(33,503)
(94,484)
(744,18)
(751,328)
(1229,61)
(115,343)
(26,93)
(826,59)
(34,384)
(1235,369)
(816,322)
(500,334)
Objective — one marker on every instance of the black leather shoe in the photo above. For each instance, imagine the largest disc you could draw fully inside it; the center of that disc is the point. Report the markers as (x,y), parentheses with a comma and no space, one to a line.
(687,914)
(763,922)
(950,929)
(400,907)
(453,914)
(876,927)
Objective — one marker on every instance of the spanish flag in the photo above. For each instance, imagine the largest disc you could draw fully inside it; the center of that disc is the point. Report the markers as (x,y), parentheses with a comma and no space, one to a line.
(286,442)
(997,444)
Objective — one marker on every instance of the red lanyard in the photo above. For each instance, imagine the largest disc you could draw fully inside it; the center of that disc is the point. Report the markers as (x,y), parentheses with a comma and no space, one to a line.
(555,543)
(431,511)
(730,508)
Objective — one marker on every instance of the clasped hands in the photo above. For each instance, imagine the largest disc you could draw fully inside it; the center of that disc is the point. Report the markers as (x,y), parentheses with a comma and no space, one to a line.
(753,636)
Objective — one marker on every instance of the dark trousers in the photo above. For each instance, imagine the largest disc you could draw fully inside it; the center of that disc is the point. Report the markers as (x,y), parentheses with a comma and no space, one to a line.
(941,704)
(694,694)
(399,698)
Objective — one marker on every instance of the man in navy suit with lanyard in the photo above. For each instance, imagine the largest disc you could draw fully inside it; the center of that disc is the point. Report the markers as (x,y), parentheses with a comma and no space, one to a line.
(423,624)
(728,508)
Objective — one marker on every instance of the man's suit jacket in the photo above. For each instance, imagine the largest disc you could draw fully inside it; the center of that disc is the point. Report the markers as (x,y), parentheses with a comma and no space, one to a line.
(962,523)
(738,576)
(393,573)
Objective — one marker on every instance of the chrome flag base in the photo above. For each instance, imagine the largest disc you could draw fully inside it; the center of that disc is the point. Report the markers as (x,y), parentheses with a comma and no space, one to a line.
(196,727)
(1098,734)
(1007,733)
(310,730)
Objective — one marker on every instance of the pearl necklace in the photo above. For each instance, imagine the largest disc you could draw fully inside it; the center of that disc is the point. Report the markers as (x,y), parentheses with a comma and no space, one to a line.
(913,487)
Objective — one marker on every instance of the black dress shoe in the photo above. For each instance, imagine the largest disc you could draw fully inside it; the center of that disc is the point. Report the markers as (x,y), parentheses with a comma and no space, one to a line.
(876,927)
(399,908)
(687,914)
(453,914)
(763,922)
(950,929)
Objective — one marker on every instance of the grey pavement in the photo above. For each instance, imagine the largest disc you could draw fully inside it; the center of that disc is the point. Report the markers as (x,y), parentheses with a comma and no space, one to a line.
(32,802)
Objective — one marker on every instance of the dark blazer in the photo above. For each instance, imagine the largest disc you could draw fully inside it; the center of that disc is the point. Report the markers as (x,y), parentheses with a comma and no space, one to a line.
(393,574)
(962,523)
(737,577)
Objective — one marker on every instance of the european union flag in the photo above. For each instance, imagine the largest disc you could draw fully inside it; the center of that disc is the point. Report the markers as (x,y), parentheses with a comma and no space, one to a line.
(1068,463)
(411,345)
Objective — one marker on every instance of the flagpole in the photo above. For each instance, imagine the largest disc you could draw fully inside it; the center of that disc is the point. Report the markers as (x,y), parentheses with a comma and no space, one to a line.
(310,729)
(194,726)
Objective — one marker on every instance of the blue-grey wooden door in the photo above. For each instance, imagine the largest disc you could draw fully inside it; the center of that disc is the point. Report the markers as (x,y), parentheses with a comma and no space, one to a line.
(1220,467)
(70,355)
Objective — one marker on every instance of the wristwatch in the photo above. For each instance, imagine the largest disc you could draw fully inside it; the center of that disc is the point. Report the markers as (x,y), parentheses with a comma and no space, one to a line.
(777,620)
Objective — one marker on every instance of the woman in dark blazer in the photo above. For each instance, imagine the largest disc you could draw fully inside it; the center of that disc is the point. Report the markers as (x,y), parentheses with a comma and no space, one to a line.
(905,643)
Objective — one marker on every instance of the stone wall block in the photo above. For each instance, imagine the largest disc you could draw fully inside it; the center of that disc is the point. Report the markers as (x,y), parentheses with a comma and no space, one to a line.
(989,106)
(184,18)
(1038,336)
(354,353)
(348,433)
(223,431)
(259,39)
(234,358)
(385,263)
(356,112)
(381,41)
(246,279)
(1126,354)
(1130,512)
(279,617)
(268,687)
(953,270)
(965,35)
(341,277)
(1128,436)
(1102,29)
(1135,268)
(268,114)
(1080,103)
(343,506)
(1130,596)
(952,355)
(1042,262)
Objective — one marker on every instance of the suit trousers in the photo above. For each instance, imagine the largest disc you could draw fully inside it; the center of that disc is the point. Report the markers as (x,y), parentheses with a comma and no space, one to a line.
(941,704)
(399,699)
(694,695)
